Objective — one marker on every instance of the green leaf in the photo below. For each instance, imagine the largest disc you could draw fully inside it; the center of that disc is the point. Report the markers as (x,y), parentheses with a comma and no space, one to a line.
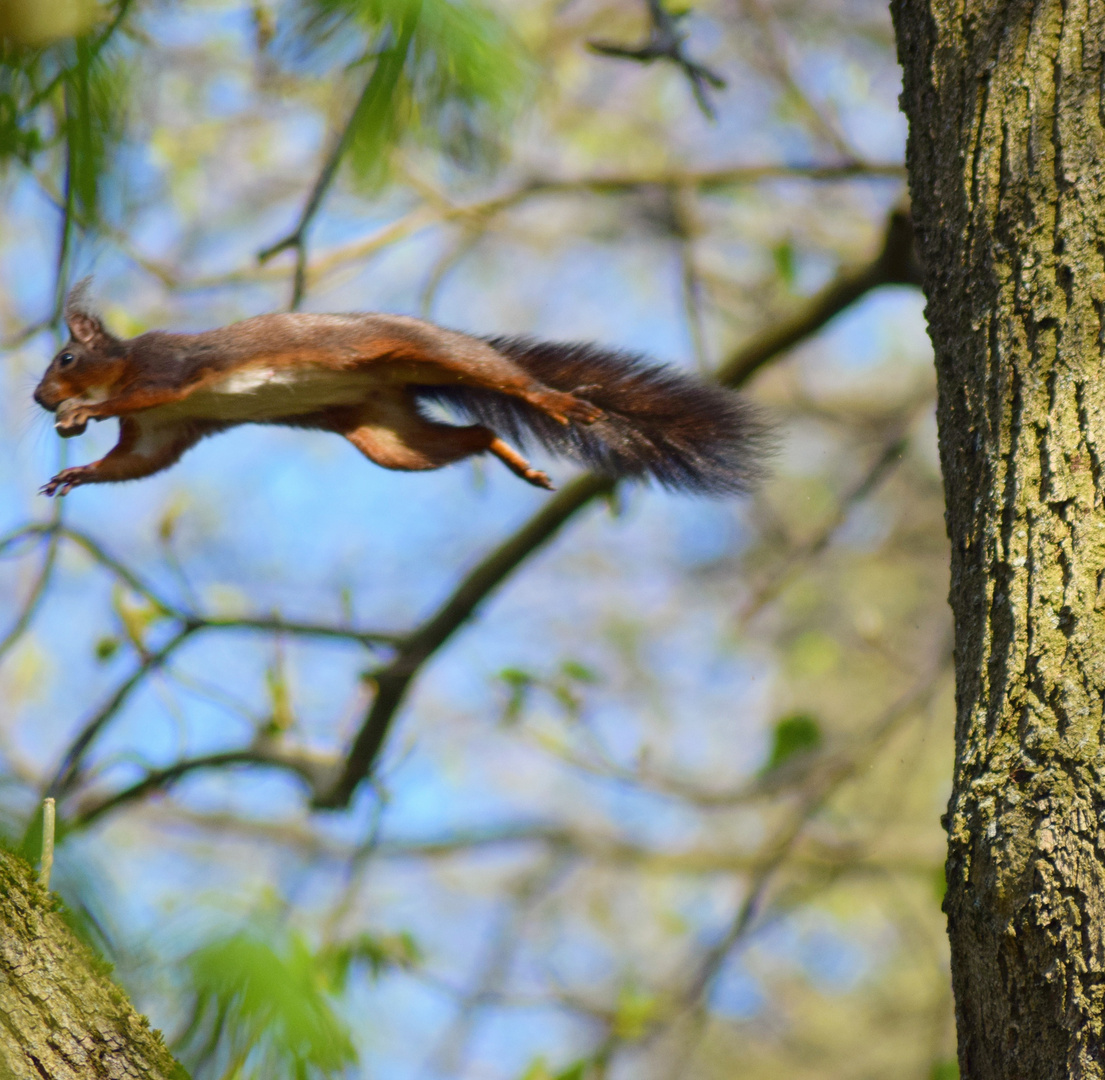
(573,669)
(634,1013)
(106,648)
(266,1007)
(539,1070)
(519,684)
(793,735)
(947,1069)
(783,255)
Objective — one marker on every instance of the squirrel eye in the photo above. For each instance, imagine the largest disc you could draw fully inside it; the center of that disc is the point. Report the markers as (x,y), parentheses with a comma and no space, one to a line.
(66,359)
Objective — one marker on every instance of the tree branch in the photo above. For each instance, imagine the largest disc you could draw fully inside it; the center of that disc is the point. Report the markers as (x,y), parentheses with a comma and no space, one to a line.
(895,264)
(312,768)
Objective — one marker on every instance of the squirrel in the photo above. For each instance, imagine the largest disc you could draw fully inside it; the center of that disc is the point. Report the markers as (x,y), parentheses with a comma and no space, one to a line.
(366,377)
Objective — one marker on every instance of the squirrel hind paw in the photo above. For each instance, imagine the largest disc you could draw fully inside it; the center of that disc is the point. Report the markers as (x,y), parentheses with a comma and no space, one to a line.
(575,409)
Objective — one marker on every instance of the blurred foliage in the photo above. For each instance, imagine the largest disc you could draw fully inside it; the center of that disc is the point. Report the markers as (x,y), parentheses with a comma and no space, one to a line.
(30,22)
(793,735)
(441,70)
(71,95)
(263,1011)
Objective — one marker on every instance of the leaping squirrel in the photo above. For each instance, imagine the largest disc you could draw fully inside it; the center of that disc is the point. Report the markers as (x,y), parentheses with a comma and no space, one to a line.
(365,376)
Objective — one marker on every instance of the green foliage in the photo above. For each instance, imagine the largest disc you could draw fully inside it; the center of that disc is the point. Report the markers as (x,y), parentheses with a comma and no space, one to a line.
(377,952)
(518,683)
(783,255)
(68,96)
(944,1070)
(136,617)
(634,1014)
(539,1070)
(562,686)
(441,71)
(793,735)
(265,1011)
(265,1008)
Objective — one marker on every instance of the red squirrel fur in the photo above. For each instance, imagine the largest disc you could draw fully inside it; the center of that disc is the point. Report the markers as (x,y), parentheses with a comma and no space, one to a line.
(364,377)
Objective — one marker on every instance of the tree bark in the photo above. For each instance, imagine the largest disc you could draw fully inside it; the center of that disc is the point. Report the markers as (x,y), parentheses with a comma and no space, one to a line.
(1006,150)
(61,1016)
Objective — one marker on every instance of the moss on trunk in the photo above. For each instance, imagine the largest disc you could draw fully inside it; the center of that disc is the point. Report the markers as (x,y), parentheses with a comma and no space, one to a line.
(61,1016)
(1007,162)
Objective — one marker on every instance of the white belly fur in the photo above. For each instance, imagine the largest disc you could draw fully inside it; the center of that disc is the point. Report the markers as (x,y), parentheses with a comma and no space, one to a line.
(265,393)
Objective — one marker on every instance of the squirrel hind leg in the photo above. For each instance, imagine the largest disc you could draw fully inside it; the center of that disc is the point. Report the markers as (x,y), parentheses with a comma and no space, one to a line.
(518,464)
(419,444)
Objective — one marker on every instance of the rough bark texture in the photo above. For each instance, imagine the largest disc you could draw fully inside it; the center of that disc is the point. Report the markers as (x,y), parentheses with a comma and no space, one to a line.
(1006,156)
(61,1016)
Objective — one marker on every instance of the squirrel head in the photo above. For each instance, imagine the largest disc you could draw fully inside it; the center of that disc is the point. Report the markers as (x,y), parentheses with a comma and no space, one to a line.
(86,369)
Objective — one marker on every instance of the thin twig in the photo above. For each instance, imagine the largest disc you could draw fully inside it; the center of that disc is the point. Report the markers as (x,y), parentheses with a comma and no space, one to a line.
(666,41)
(775,61)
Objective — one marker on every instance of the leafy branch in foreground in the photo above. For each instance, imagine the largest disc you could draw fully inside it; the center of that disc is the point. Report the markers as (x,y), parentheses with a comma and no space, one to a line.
(439,71)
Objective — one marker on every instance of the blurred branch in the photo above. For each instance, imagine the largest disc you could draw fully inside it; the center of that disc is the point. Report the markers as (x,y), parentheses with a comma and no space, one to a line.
(393,681)
(447,1057)
(68,771)
(894,264)
(777,851)
(276,625)
(801,554)
(779,847)
(439,211)
(297,238)
(667,42)
(600,849)
(774,59)
(312,768)
(38,589)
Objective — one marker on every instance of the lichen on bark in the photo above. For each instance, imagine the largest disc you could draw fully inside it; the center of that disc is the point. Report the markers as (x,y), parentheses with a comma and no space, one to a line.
(1006,156)
(61,1016)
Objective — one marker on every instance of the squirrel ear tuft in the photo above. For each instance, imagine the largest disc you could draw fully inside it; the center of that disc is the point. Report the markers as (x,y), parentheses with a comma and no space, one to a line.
(85,327)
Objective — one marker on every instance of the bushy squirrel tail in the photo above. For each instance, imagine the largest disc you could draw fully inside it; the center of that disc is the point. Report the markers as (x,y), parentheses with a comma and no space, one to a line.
(659,423)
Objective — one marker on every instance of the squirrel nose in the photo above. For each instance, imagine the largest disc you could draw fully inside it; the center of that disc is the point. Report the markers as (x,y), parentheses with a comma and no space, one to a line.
(42,400)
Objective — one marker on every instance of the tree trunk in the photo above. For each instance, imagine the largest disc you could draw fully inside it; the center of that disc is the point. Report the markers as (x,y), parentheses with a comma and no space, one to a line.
(61,1016)
(1006,153)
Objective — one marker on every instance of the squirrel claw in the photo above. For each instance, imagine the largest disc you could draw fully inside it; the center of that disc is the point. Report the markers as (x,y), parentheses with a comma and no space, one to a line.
(539,479)
(63,483)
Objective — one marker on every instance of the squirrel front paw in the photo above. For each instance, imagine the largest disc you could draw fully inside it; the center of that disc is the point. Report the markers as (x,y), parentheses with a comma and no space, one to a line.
(65,481)
(72,422)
